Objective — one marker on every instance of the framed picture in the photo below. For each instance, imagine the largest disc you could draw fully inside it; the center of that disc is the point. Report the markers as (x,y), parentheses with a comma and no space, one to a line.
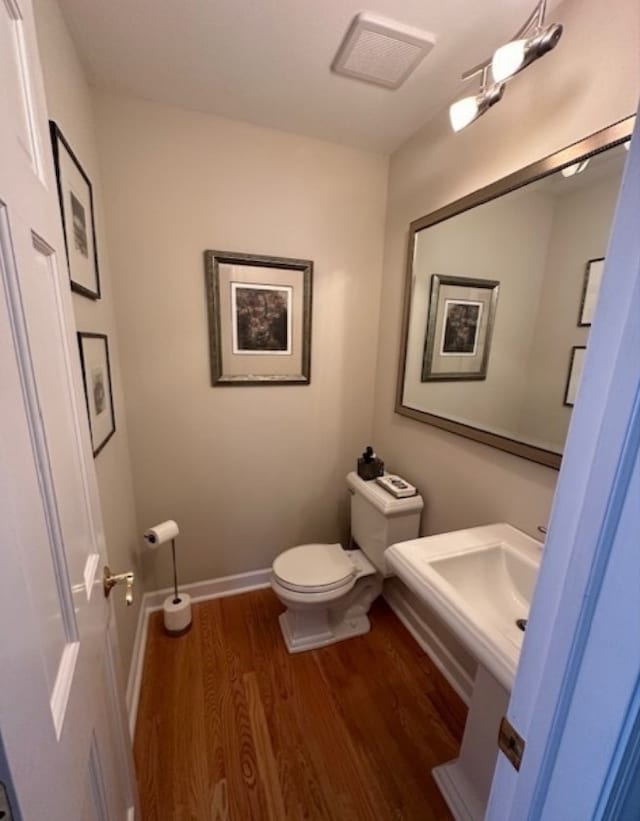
(78,223)
(590,291)
(459,328)
(576,363)
(259,319)
(96,375)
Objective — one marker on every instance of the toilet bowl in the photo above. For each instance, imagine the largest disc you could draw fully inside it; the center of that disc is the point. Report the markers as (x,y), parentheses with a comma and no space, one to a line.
(328,590)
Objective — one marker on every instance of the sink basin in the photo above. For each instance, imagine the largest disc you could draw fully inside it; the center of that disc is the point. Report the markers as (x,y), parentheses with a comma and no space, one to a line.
(480,582)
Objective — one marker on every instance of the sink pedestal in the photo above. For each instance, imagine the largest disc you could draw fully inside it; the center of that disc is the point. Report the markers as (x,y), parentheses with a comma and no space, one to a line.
(480,582)
(465,782)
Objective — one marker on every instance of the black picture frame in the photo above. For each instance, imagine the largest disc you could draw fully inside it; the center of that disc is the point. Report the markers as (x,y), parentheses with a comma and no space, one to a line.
(590,291)
(98,391)
(75,197)
(282,355)
(574,375)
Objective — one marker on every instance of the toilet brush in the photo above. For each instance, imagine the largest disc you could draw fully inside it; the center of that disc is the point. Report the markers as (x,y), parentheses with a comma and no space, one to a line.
(176,607)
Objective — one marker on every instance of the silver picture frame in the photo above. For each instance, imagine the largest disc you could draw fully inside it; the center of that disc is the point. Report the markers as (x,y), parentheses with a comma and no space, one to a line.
(460,324)
(259,319)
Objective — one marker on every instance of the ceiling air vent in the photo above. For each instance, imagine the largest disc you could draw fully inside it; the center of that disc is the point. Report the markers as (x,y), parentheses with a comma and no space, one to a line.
(381,51)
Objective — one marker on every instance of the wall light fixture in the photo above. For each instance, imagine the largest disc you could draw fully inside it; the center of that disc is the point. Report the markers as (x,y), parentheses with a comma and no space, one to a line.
(465,111)
(530,43)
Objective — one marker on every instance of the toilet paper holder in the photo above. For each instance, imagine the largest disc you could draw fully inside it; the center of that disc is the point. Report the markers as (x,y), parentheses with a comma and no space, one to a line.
(176,607)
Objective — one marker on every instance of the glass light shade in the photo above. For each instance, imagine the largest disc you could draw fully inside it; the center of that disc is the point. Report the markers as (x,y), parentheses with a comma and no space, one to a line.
(463,112)
(508,59)
(576,168)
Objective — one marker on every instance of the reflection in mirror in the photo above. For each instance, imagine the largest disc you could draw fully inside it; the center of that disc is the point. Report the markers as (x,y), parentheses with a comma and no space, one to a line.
(502,288)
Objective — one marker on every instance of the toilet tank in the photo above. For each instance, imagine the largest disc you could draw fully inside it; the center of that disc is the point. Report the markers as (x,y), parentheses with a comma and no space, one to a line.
(379,520)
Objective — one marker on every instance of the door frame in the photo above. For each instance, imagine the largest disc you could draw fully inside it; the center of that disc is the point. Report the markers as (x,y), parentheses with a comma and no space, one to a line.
(583,549)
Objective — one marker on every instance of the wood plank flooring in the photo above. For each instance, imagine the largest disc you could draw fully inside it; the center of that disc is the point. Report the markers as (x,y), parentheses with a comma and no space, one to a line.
(233,728)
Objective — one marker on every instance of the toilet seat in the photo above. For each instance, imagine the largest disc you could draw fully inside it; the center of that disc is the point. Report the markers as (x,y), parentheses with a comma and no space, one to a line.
(314,568)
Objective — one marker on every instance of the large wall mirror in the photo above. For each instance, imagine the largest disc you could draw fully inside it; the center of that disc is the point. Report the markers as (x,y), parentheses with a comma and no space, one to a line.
(501,288)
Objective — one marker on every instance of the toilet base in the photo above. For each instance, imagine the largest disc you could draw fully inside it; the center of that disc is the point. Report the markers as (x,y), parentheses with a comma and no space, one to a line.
(308,624)
(300,634)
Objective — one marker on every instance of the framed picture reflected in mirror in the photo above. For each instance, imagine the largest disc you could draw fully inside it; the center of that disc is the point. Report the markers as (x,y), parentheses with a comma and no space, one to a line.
(459,328)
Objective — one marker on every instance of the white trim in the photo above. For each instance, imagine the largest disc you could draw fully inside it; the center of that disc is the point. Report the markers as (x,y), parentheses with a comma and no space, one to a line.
(134,679)
(131,814)
(199,592)
(214,588)
(440,655)
(62,686)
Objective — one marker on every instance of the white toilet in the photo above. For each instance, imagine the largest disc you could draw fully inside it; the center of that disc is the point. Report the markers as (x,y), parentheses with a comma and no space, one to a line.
(328,590)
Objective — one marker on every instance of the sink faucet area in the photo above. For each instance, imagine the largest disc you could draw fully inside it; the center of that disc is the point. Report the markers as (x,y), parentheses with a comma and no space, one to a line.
(480,582)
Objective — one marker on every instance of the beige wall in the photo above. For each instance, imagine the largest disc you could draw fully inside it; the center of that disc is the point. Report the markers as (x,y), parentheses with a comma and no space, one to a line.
(590,81)
(581,227)
(70,105)
(249,471)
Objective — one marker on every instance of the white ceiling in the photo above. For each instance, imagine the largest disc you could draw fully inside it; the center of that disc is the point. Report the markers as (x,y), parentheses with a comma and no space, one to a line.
(267,61)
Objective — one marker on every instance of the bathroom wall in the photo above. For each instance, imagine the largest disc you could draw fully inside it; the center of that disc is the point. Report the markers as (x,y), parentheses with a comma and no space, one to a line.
(246,471)
(581,227)
(589,82)
(70,105)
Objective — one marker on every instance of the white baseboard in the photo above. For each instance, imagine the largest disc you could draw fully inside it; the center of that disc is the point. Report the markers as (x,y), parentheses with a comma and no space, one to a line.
(439,654)
(199,592)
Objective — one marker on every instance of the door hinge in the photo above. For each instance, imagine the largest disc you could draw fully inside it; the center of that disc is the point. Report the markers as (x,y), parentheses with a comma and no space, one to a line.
(5,807)
(511,743)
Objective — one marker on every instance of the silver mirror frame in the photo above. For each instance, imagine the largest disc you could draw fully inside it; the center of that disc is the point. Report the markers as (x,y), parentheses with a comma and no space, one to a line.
(595,144)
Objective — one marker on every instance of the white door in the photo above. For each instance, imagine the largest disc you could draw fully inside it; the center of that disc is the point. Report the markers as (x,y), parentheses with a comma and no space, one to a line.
(576,697)
(61,712)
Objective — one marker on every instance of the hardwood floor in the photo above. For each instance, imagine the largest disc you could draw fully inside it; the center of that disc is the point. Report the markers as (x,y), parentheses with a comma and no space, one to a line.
(230,726)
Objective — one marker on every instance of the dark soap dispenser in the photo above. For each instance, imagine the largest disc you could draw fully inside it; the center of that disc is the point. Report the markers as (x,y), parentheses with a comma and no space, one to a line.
(369,465)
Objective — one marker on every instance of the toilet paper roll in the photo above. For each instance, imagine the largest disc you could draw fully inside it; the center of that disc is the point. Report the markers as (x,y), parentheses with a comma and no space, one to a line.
(177,614)
(159,534)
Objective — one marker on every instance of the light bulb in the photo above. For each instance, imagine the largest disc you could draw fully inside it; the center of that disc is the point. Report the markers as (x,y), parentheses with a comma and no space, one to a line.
(463,112)
(508,59)
(513,57)
(576,168)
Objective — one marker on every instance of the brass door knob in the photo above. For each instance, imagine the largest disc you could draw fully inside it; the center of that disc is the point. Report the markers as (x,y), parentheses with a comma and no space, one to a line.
(110,580)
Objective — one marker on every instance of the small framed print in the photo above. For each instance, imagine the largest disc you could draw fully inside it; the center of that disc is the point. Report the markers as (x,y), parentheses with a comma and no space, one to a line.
(590,291)
(96,376)
(459,328)
(259,319)
(75,196)
(576,364)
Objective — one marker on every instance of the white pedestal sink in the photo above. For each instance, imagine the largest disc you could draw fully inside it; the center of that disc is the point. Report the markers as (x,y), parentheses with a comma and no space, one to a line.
(480,582)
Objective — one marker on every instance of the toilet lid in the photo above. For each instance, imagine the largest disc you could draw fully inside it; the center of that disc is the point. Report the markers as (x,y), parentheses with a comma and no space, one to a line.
(313,567)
